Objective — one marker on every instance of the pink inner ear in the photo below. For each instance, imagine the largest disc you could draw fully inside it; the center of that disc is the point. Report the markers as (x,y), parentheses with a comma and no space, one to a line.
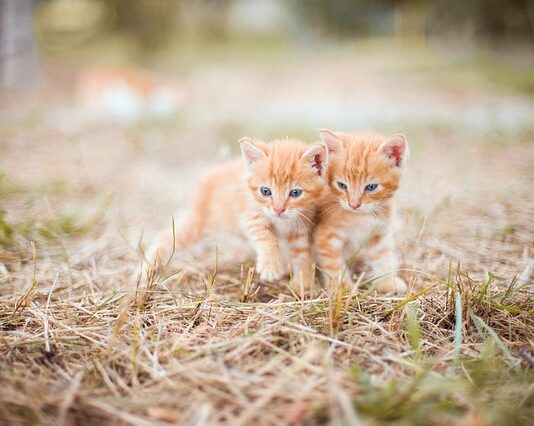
(251,156)
(395,152)
(317,163)
(250,153)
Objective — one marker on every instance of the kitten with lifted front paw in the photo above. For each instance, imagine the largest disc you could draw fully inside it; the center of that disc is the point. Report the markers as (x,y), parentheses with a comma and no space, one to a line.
(271,197)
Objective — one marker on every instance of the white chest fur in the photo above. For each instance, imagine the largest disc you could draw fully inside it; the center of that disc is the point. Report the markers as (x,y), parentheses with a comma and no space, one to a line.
(359,232)
(360,229)
(283,227)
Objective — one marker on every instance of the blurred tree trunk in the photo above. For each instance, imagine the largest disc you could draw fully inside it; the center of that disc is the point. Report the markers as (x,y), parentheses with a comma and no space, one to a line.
(18,52)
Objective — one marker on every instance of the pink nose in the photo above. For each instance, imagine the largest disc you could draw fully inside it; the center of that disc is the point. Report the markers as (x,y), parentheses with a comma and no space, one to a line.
(355,205)
(279,212)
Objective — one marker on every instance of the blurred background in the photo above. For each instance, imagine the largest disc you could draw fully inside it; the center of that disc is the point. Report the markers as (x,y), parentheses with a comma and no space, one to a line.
(252,65)
(130,97)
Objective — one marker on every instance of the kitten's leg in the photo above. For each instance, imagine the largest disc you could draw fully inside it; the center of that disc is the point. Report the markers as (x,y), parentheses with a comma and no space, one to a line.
(161,251)
(269,262)
(300,259)
(184,235)
(329,250)
(380,256)
(190,230)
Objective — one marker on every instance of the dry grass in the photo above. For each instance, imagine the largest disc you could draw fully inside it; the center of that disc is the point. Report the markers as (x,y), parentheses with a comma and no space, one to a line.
(91,335)
(192,352)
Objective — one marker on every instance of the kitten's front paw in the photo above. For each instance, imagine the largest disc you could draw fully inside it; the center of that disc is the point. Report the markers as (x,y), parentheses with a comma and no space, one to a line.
(391,285)
(270,268)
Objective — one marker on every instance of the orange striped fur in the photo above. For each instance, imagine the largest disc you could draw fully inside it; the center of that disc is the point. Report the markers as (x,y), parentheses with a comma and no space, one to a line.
(278,222)
(356,218)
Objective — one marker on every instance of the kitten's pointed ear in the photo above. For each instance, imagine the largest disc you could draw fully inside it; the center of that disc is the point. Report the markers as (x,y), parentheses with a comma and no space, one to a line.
(331,141)
(396,150)
(317,157)
(250,151)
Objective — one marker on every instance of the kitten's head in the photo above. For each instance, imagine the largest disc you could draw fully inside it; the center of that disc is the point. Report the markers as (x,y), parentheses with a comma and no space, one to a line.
(365,169)
(285,176)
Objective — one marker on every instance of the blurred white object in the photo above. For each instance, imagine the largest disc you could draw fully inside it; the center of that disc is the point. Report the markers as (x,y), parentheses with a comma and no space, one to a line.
(260,16)
(125,95)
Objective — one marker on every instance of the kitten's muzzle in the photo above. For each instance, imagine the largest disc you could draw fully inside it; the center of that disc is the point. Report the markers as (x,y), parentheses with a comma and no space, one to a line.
(279,211)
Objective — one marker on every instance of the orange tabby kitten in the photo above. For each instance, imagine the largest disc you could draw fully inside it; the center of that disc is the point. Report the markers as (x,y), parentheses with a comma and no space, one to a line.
(271,197)
(357,216)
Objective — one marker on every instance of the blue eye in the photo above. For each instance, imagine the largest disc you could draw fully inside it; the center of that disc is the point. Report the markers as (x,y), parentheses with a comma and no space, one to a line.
(265,191)
(372,187)
(295,193)
(342,185)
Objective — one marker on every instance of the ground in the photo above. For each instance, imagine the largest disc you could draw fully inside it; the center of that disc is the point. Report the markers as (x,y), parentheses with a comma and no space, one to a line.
(89,333)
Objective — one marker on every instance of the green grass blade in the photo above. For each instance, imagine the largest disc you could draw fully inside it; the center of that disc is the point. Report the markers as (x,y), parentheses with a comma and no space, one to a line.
(412,327)
(458,322)
(481,325)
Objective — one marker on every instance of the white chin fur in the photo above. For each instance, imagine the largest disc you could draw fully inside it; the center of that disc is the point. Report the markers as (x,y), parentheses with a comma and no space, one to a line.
(290,214)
